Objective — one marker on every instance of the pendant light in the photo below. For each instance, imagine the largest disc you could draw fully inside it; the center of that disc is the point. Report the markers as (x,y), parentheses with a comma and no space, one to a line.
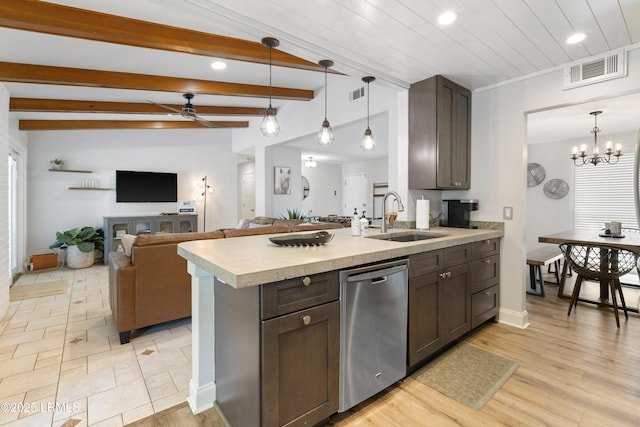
(270,126)
(368,143)
(325,136)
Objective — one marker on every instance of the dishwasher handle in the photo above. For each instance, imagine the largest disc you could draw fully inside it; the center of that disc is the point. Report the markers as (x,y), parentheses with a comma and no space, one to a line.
(378,275)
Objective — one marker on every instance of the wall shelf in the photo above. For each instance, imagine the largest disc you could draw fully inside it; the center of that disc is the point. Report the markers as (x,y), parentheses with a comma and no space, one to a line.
(69,170)
(90,188)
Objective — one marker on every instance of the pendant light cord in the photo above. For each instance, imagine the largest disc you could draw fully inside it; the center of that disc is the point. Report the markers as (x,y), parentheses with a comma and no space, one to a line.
(368,97)
(270,65)
(326,89)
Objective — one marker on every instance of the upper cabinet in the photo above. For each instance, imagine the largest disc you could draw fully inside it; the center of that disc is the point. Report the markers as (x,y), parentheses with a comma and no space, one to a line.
(439,135)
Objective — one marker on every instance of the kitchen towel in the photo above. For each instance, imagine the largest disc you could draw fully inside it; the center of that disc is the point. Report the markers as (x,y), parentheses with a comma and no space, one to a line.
(422,214)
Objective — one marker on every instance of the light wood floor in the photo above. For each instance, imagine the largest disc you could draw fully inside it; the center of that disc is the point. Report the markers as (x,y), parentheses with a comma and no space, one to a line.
(574,371)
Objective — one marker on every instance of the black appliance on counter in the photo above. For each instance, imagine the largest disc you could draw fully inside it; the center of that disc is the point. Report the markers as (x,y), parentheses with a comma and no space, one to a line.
(456,213)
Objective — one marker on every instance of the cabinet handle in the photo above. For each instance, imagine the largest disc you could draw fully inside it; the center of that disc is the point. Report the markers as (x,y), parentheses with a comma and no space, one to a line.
(487,241)
(448,274)
(306,281)
(487,261)
(443,275)
(306,320)
(487,293)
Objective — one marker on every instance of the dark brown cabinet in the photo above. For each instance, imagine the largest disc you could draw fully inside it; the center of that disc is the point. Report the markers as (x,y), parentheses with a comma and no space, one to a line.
(451,291)
(439,305)
(439,135)
(300,363)
(278,351)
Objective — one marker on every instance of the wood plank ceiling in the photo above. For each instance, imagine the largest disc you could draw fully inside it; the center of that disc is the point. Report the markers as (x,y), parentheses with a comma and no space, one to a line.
(120,55)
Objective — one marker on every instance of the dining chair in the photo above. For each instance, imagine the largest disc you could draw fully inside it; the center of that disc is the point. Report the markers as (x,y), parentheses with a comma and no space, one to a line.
(602,263)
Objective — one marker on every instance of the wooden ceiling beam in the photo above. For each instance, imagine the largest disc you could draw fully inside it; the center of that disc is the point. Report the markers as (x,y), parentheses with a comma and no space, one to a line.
(50,18)
(78,106)
(44,74)
(123,124)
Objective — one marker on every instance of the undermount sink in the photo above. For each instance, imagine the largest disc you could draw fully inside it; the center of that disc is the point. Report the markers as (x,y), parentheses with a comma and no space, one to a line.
(407,236)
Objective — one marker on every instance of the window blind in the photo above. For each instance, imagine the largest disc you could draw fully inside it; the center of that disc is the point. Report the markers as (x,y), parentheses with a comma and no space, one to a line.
(604,193)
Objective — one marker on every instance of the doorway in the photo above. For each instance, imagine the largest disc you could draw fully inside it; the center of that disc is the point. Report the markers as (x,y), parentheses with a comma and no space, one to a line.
(248,195)
(355,194)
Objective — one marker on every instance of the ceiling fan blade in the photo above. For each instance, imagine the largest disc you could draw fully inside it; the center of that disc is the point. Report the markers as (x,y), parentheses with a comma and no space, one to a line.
(166,107)
(205,122)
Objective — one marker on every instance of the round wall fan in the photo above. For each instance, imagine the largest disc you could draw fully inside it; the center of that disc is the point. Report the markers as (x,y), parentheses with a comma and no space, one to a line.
(535,174)
(556,189)
(188,111)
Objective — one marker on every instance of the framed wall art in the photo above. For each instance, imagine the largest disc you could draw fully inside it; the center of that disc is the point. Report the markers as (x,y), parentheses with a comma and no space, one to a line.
(282,180)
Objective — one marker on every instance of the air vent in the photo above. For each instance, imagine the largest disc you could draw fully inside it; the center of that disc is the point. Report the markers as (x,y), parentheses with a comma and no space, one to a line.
(357,93)
(595,69)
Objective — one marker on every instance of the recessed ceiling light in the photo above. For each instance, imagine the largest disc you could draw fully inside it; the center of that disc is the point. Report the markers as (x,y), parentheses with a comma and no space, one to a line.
(218,65)
(447,18)
(576,38)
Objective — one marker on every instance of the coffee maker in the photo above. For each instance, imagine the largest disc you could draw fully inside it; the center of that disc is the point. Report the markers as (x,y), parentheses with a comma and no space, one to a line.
(456,213)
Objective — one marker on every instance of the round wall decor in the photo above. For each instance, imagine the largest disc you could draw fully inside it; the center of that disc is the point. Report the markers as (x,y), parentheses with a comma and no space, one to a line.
(535,174)
(556,189)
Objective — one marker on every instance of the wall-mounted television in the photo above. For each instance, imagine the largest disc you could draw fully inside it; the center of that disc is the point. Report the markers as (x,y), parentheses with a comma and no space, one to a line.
(146,187)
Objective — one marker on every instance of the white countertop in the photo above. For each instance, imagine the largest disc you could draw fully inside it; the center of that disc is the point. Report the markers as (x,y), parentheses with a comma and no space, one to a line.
(253,260)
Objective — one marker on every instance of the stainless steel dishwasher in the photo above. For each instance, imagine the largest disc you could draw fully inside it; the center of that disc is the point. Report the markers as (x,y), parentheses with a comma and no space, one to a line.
(373,330)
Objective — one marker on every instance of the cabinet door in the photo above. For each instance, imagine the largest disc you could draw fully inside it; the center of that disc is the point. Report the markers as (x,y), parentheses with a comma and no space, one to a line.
(456,305)
(446,111)
(461,141)
(425,323)
(300,359)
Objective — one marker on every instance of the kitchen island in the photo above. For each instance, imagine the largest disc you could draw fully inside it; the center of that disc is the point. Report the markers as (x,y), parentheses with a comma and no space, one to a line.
(232,265)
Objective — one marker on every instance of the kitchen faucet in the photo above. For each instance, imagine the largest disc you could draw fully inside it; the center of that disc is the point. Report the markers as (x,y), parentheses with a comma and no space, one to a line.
(383,227)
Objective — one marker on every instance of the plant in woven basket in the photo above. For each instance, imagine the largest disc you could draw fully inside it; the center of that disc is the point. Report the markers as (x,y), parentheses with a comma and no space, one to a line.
(86,238)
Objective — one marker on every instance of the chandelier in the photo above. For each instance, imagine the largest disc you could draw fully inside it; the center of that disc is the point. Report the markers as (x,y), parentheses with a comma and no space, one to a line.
(580,156)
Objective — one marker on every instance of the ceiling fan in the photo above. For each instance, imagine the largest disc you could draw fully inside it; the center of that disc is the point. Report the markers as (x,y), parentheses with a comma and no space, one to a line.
(188,111)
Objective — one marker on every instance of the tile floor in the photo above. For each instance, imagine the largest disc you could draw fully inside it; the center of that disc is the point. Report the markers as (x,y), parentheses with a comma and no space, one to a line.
(61,362)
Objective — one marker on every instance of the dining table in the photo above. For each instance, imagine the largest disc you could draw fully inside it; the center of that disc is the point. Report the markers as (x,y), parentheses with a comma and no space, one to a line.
(629,239)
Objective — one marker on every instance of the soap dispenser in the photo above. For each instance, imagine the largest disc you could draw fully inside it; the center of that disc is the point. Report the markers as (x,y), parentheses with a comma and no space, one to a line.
(364,225)
(355,223)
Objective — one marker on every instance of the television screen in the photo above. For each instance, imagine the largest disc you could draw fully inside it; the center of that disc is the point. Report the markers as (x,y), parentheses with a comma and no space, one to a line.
(132,186)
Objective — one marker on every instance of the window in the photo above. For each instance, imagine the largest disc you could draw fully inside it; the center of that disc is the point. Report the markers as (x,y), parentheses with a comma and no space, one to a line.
(604,193)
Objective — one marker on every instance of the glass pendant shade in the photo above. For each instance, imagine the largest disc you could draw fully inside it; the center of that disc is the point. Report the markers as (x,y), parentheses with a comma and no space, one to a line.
(270,125)
(325,136)
(368,143)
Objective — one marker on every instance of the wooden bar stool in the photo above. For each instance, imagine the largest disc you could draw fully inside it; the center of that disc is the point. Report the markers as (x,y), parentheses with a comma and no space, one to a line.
(602,263)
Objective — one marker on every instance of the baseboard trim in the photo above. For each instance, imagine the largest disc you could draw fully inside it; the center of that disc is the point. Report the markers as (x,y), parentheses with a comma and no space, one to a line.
(518,319)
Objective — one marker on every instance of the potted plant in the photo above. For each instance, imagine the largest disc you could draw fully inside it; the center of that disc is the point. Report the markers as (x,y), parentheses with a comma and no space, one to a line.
(56,163)
(80,244)
(293,214)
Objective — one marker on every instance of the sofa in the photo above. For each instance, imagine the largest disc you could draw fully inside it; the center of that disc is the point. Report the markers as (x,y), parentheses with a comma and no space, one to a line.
(148,280)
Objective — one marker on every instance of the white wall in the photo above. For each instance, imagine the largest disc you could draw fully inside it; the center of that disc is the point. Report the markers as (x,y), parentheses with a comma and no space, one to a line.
(499,158)
(192,154)
(325,189)
(279,157)
(5,273)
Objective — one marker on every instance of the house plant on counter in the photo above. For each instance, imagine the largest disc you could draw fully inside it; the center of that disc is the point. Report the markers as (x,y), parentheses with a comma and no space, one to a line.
(80,244)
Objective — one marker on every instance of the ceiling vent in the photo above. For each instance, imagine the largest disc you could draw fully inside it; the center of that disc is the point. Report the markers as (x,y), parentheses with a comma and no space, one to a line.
(595,69)
(356,94)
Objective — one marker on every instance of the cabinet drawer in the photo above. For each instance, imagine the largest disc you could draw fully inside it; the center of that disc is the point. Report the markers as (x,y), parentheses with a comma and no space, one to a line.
(426,262)
(484,305)
(457,255)
(486,272)
(485,248)
(297,294)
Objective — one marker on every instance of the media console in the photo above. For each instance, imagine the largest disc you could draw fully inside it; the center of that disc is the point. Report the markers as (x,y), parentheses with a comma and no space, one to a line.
(116,226)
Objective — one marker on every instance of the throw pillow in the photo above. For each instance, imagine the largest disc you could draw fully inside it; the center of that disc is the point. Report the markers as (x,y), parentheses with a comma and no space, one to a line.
(254,225)
(127,241)
(243,223)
